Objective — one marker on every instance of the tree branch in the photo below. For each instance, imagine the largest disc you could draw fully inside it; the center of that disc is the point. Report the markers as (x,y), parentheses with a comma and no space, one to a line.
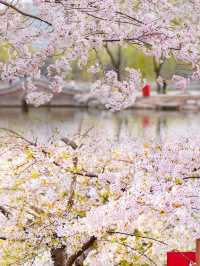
(85,246)
(69,142)
(5,212)
(130,17)
(88,174)
(133,249)
(114,63)
(58,256)
(18,135)
(191,177)
(135,235)
(24,13)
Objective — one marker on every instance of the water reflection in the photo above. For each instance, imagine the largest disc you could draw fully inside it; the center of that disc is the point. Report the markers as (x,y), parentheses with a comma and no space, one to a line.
(46,123)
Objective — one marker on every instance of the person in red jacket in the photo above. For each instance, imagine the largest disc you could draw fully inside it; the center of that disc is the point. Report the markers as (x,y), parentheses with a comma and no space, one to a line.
(146,90)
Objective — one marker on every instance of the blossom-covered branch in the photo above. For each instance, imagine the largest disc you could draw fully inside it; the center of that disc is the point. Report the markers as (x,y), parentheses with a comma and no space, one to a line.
(23,13)
(78,27)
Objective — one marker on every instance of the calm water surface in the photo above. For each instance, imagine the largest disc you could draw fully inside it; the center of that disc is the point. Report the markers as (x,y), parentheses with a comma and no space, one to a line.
(45,123)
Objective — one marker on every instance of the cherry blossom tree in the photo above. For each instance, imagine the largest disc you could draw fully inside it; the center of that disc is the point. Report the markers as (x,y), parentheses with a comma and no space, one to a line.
(127,204)
(73,28)
(91,201)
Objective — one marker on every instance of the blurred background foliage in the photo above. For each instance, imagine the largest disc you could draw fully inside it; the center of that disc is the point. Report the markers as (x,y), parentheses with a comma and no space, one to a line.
(4,52)
(129,56)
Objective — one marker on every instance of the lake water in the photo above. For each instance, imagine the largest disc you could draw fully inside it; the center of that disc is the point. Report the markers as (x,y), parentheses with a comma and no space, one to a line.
(48,123)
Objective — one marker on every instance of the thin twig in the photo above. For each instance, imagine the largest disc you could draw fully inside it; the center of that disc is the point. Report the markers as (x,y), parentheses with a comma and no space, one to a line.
(136,251)
(18,135)
(24,13)
(135,235)
(191,177)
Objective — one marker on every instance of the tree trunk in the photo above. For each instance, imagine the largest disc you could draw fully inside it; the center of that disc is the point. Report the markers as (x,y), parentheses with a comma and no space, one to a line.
(158,87)
(157,69)
(118,64)
(59,257)
(24,106)
(164,87)
(86,246)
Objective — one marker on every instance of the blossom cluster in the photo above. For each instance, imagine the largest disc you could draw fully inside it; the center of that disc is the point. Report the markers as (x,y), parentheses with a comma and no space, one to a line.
(115,94)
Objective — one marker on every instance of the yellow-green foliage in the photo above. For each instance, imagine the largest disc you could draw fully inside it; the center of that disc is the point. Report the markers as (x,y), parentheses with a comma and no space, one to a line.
(134,58)
(4,52)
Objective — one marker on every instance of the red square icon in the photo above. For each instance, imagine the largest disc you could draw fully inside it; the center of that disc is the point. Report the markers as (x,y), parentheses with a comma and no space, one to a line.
(180,258)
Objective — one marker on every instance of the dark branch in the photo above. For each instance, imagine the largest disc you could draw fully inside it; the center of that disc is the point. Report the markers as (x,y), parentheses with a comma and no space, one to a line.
(134,250)
(85,246)
(135,235)
(18,135)
(69,142)
(24,13)
(5,212)
(86,174)
(191,177)
(130,17)
(58,256)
